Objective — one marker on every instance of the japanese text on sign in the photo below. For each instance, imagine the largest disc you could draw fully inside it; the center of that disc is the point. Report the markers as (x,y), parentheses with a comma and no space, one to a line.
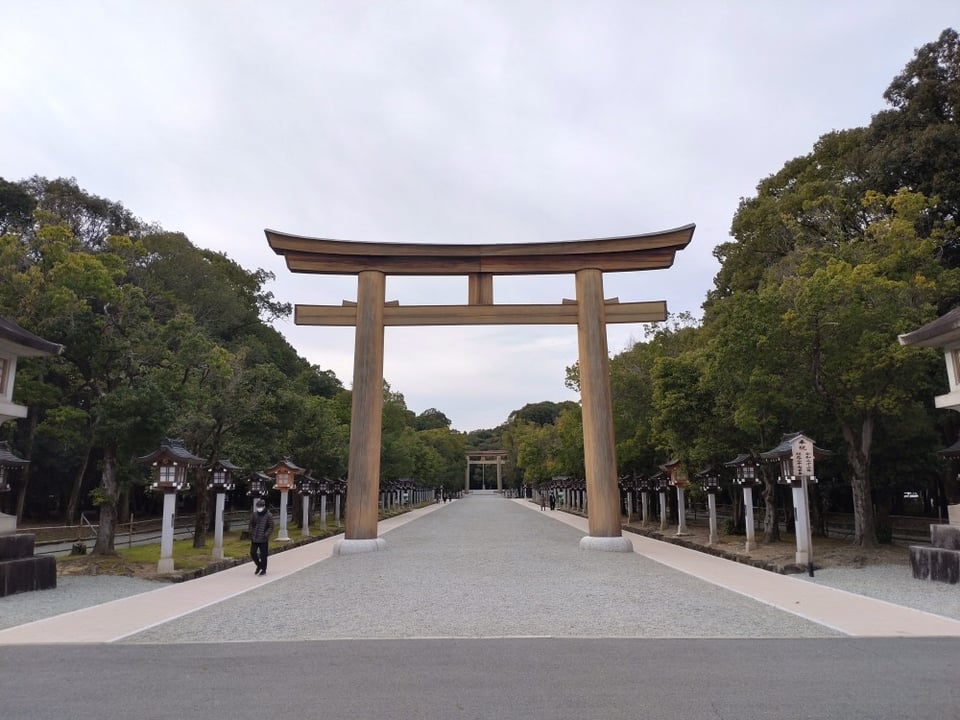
(802,457)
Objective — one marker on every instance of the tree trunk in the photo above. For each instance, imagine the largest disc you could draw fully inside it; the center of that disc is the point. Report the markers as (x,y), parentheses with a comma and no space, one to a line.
(74,502)
(203,511)
(109,493)
(123,505)
(25,473)
(858,455)
(771,528)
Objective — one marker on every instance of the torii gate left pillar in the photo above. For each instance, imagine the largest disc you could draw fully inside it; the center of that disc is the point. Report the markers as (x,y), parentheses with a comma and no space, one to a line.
(586,259)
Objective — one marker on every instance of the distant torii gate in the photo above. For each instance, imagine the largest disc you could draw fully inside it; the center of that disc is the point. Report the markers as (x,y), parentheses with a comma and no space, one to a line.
(482,458)
(586,259)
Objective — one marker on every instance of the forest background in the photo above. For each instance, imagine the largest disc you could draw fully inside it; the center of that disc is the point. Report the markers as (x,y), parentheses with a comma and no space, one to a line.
(838,253)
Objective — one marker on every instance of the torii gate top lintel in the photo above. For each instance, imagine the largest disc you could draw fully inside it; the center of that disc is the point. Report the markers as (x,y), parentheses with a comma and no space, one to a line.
(480,263)
(649,251)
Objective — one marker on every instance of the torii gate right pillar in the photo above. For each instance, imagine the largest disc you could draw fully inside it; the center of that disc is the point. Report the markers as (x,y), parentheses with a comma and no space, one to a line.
(603,495)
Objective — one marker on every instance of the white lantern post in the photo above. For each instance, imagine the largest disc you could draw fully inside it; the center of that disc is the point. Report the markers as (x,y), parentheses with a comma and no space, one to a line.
(221,483)
(679,479)
(284,475)
(308,488)
(796,456)
(170,465)
(711,485)
(663,487)
(644,485)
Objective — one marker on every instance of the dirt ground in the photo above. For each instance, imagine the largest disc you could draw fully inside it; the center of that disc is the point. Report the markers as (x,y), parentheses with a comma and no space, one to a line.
(780,556)
(101,565)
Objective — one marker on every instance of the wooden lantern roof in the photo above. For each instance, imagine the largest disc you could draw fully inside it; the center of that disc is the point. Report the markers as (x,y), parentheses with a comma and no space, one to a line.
(8,459)
(785,449)
(171,452)
(285,464)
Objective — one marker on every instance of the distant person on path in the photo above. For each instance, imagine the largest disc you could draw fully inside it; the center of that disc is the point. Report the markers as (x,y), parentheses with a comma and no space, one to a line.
(553,501)
(543,502)
(261,528)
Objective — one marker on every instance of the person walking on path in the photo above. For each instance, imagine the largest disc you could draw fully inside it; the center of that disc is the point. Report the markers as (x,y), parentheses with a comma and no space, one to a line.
(543,502)
(261,528)
(553,501)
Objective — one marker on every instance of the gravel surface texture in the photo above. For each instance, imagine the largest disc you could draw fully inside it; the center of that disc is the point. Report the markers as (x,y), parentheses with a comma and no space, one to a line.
(484,567)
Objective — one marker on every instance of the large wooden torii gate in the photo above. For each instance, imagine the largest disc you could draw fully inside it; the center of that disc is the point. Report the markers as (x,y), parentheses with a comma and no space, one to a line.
(484,458)
(587,260)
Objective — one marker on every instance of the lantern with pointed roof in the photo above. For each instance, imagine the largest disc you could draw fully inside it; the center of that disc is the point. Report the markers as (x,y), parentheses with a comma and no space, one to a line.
(170,464)
(745,465)
(284,479)
(221,476)
(169,467)
(679,478)
(259,485)
(792,471)
(709,481)
(8,461)
(308,485)
(796,453)
(677,473)
(661,482)
(284,474)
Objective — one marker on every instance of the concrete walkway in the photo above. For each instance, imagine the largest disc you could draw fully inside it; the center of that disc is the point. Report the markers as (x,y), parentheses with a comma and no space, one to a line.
(844,612)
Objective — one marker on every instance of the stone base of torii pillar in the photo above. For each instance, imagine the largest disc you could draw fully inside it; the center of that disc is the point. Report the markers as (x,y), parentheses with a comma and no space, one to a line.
(606,544)
(356,546)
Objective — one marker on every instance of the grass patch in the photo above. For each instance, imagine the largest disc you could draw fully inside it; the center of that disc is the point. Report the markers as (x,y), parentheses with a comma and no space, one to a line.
(142,560)
(185,556)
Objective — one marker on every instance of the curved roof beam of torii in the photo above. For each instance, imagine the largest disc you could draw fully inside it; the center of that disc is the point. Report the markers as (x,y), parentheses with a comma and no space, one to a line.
(650,251)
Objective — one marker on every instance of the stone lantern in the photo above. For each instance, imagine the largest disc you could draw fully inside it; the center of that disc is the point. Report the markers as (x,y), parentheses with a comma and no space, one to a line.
(678,478)
(710,482)
(662,483)
(339,488)
(628,485)
(284,475)
(940,561)
(795,454)
(323,486)
(8,462)
(221,482)
(644,485)
(20,569)
(15,343)
(745,466)
(308,487)
(169,466)
(259,487)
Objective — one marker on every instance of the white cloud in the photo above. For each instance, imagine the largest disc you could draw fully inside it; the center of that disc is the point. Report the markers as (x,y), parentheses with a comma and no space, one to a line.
(430,121)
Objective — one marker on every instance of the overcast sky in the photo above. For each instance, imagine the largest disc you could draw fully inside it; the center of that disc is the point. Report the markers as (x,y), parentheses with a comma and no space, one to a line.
(444,122)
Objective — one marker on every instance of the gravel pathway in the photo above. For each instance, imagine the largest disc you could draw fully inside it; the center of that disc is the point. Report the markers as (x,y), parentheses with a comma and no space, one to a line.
(484,567)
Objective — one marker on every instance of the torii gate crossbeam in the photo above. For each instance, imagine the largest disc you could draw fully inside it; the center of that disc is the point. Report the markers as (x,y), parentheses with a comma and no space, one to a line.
(371,313)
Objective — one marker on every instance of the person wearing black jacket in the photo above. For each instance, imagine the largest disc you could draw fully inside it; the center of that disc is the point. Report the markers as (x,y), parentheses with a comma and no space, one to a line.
(261,528)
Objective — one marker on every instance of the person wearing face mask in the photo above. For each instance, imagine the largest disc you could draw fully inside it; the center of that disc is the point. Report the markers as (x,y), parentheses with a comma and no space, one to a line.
(261,527)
